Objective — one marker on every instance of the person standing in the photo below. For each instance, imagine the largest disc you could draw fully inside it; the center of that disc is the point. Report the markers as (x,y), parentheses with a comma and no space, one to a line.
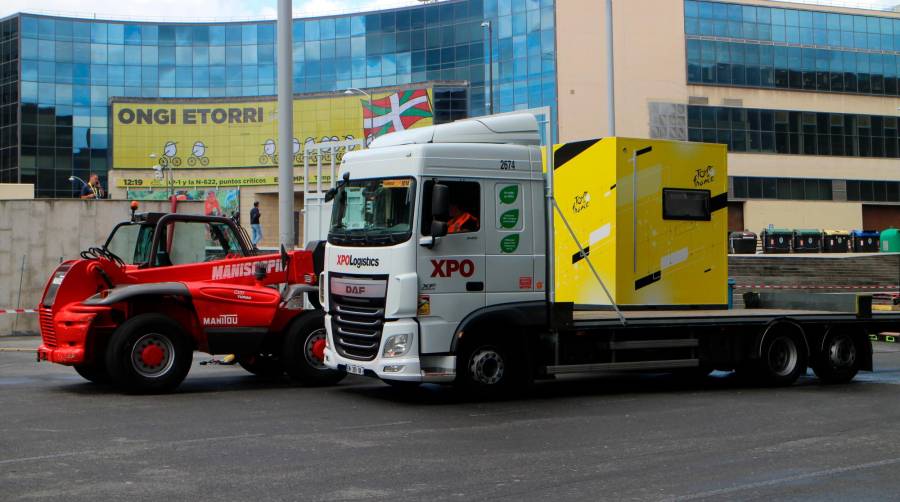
(93,190)
(254,224)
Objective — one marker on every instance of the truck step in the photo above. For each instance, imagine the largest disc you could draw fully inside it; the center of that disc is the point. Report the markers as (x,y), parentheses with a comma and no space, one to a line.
(654,344)
(623,366)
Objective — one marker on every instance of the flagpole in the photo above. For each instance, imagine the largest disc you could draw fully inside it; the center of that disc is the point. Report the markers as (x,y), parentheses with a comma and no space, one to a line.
(350,91)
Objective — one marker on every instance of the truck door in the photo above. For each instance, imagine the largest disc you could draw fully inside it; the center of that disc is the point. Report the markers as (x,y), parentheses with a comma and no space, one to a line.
(452,273)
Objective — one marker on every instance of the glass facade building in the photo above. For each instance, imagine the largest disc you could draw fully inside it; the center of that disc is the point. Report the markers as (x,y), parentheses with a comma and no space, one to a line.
(57,75)
(765,47)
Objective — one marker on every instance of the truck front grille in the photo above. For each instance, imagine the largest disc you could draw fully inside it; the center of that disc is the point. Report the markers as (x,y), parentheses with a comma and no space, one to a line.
(48,333)
(357,325)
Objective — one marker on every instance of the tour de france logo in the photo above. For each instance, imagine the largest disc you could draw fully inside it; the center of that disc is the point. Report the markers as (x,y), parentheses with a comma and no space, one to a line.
(198,155)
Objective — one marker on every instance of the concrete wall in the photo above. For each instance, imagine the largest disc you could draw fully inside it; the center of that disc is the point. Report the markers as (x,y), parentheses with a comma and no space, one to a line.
(45,232)
(802,214)
(16,191)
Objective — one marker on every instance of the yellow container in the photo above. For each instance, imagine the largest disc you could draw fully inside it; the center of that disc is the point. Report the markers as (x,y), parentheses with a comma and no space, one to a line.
(670,252)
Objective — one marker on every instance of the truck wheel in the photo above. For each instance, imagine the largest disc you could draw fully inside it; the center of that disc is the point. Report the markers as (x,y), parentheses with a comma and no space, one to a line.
(148,354)
(262,365)
(782,360)
(304,353)
(93,372)
(838,362)
(488,367)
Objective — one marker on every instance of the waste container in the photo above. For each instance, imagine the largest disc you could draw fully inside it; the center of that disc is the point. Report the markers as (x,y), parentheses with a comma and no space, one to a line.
(865,241)
(836,241)
(742,243)
(777,240)
(807,241)
(890,240)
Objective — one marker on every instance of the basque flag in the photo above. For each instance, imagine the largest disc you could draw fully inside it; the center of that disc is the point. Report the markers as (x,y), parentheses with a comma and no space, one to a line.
(396,112)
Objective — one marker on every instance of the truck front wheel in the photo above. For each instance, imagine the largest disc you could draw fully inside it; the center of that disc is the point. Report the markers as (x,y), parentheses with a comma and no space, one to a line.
(490,367)
(148,354)
(304,353)
(838,361)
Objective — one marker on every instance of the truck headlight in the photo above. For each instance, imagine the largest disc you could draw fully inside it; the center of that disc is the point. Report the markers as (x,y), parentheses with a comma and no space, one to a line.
(397,345)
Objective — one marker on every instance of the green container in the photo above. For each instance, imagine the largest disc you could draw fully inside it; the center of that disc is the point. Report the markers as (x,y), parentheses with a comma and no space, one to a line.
(890,240)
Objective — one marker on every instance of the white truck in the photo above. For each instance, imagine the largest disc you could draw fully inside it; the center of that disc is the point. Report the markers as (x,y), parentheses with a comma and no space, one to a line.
(454,256)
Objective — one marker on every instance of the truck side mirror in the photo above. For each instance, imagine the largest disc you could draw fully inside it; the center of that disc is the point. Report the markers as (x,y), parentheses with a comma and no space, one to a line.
(438,228)
(440,202)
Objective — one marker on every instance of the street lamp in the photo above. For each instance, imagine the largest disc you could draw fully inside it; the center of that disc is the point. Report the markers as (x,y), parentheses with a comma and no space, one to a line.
(73,178)
(490,29)
(350,92)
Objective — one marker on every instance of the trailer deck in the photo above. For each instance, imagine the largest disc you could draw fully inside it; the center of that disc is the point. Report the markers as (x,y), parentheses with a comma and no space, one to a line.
(641,318)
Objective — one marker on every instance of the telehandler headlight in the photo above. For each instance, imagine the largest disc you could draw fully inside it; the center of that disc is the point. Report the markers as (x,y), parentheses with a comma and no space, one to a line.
(397,345)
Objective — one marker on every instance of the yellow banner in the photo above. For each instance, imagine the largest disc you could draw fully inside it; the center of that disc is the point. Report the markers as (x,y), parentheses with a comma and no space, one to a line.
(206,133)
(232,181)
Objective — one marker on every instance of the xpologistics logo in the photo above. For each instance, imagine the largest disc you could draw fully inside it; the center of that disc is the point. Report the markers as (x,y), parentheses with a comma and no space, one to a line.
(349,261)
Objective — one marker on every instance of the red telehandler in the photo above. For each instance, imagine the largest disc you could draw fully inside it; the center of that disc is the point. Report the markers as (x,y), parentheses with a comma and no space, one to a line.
(132,312)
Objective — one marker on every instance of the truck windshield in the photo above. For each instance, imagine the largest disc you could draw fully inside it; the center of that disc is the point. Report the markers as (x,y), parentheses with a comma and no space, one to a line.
(131,242)
(372,212)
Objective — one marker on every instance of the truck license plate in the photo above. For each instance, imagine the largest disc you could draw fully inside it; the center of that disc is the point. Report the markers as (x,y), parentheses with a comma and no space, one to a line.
(355,370)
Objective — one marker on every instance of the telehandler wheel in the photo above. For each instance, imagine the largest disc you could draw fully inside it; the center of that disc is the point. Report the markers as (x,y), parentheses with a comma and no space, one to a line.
(838,361)
(304,353)
(148,354)
(782,359)
(94,372)
(262,365)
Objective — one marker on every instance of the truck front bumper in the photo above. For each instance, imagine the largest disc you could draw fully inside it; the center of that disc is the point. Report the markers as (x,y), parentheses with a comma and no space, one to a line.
(410,367)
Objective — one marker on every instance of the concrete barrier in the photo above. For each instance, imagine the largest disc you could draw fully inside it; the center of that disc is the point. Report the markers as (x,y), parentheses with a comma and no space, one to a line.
(36,235)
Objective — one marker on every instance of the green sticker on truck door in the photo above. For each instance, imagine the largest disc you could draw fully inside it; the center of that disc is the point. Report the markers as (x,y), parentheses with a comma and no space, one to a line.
(510,243)
(509,219)
(509,194)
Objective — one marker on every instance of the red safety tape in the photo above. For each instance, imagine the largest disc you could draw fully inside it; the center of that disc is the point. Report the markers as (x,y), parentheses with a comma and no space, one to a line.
(18,311)
(770,286)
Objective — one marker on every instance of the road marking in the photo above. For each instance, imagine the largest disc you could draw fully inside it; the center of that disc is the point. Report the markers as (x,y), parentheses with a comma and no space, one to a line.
(789,479)
(43,457)
(15,349)
(373,426)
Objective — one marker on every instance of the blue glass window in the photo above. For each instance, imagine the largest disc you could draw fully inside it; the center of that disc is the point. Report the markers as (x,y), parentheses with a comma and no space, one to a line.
(115,33)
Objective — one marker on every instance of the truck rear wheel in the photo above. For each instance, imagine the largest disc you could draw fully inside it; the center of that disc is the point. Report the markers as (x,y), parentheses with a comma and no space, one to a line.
(148,354)
(838,361)
(304,353)
(782,359)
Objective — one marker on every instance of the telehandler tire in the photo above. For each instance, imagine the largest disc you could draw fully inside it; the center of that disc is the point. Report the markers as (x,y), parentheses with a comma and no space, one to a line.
(303,353)
(148,354)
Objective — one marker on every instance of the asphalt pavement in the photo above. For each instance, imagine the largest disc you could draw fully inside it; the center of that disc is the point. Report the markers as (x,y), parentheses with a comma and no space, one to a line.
(226,435)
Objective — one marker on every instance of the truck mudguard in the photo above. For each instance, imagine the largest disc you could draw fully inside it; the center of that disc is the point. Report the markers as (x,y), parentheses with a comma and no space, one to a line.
(532,314)
(122,293)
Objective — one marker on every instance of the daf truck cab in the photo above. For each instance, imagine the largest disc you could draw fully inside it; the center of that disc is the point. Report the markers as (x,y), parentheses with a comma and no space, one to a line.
(431,229)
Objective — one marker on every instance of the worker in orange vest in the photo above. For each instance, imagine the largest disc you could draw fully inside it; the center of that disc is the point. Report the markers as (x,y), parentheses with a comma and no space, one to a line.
(461,221)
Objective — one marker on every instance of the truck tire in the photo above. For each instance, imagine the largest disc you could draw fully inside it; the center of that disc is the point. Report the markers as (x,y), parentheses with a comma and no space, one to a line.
(262,365)
(93,372)
(303,354)
(489,367)
(838,361)
(782,359)
(148,354)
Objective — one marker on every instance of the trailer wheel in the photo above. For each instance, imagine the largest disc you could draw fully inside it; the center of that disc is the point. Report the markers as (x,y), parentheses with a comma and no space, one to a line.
(304,353)
(839,359)
(262,365)
(490,367)
(782,359)
(148,354)
(93,372)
